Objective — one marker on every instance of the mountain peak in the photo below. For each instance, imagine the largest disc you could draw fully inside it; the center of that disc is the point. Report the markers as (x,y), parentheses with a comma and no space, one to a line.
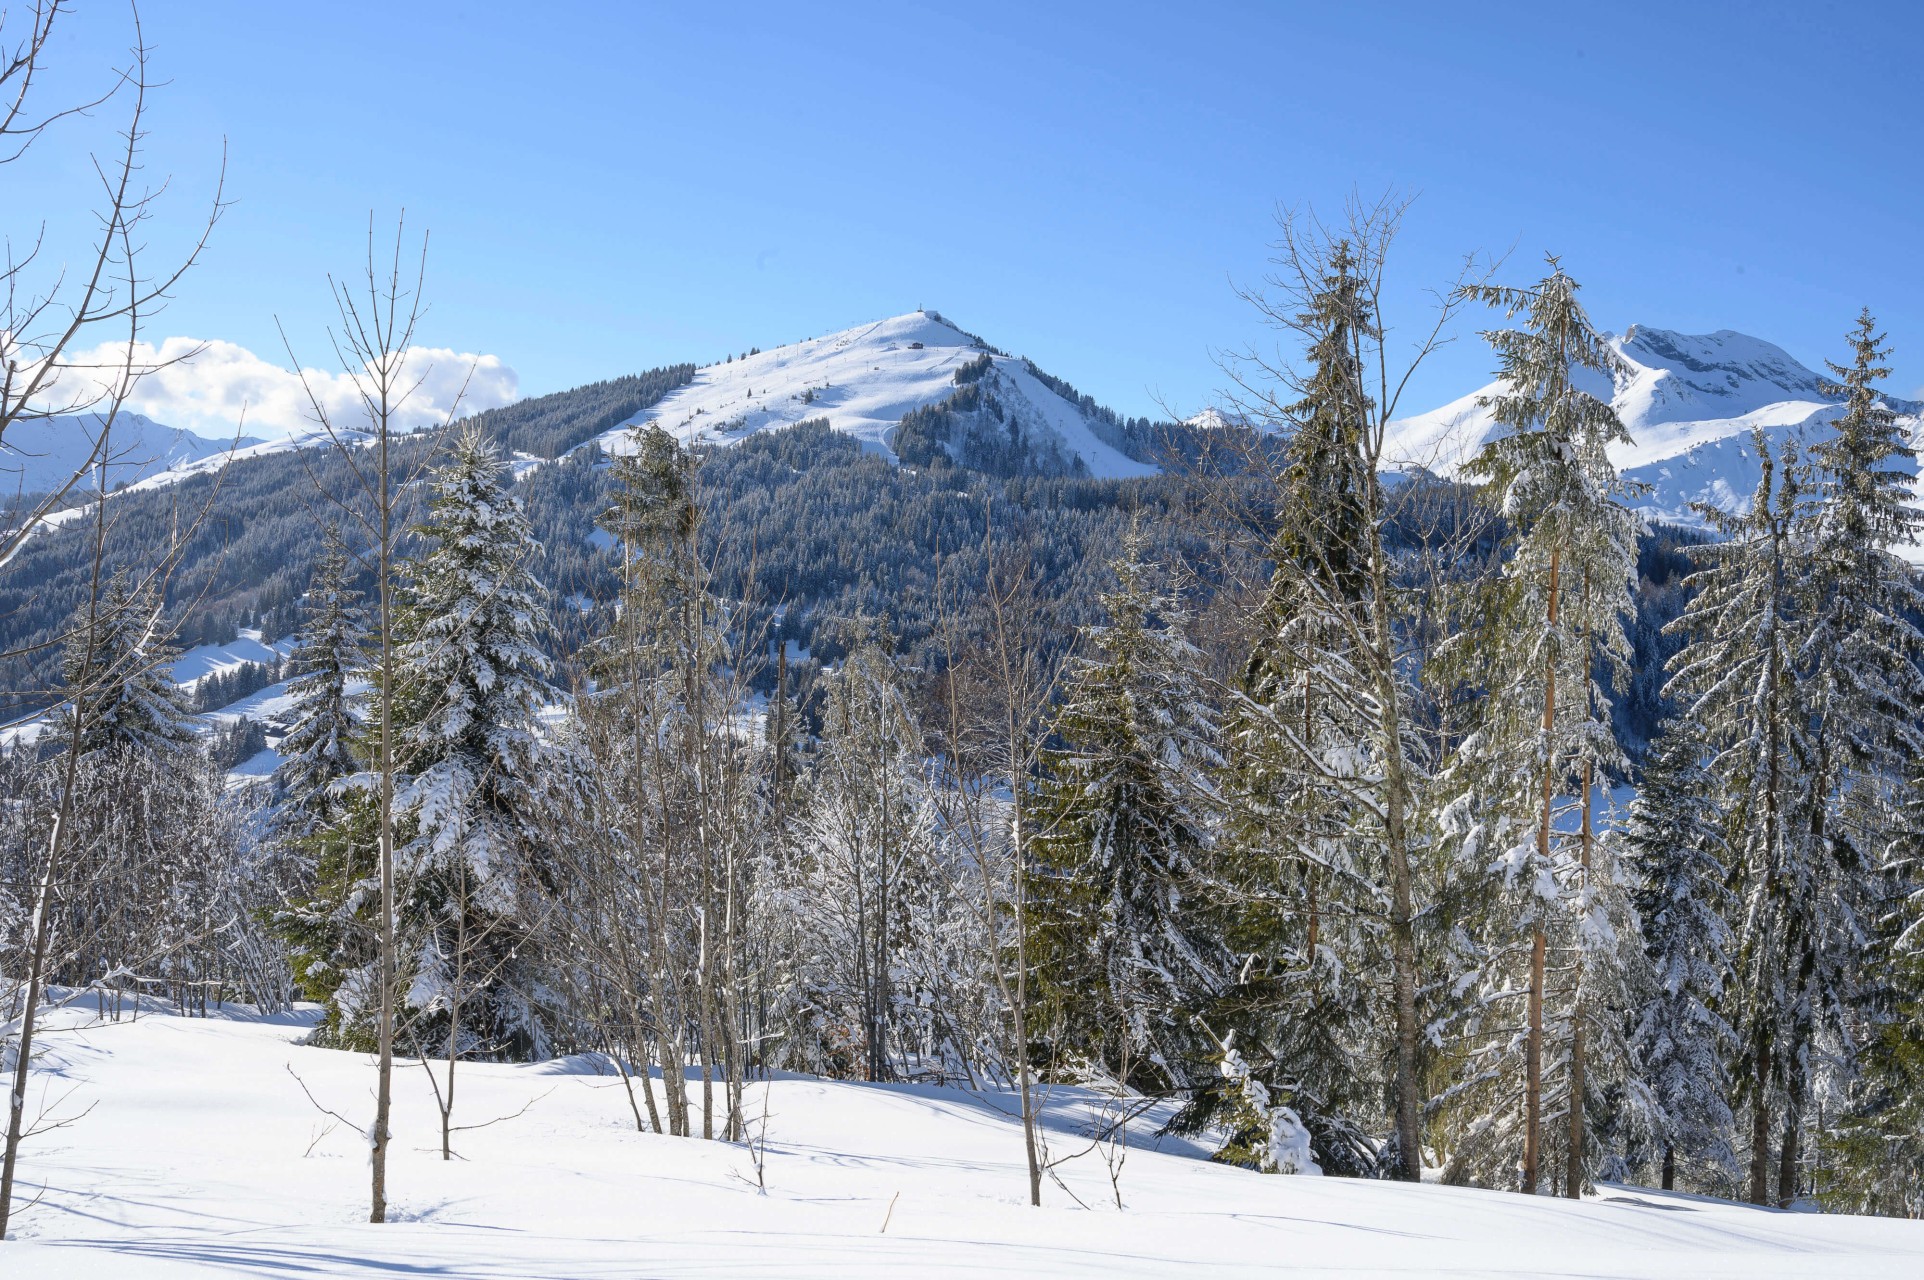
(1717,370)
(864,380)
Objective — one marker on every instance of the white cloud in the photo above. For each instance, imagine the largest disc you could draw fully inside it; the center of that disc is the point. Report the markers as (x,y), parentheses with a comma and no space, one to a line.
(208,391)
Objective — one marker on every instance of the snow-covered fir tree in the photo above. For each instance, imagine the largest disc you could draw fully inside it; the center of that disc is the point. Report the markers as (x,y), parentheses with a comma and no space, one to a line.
(318,749)
(1548,649)
(1674,840)
(326,825)
(1736,678)
(121,696)
(1861,676)
(1303,851)
(1121,915)
(473,680)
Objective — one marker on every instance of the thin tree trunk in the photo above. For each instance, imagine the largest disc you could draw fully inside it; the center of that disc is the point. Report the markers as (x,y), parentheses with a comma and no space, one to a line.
(384,1070)
(1397,805)
(36,969)
(1020,1012)
(454,1017)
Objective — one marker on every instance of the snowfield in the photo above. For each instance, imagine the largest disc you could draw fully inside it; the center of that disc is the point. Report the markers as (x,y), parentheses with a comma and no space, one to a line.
(863,380)
(193,1152)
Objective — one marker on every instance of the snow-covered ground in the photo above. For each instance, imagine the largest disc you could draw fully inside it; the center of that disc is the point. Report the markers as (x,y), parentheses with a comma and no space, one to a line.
(863,380)
(1690,403)
(201,1156)
(196,664)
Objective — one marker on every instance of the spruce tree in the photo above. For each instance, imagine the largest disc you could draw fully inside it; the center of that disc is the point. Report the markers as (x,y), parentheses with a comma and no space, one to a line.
(1737,678)
(328,826)
(1675,841)
(318,749)
(1860,673)
(473,679)
(118,680)
(1553,624)
(1119,909)
(1303,849)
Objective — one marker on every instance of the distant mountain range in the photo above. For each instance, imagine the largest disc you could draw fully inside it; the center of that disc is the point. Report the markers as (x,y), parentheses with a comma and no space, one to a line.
(39,455)
(914,384)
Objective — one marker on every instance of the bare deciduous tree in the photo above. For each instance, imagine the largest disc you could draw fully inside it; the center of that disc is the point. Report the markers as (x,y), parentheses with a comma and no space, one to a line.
(70,348)
(379,315)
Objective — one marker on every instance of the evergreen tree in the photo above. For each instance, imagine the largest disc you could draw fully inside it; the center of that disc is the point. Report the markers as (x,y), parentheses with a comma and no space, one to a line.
(1675,840)
(1861,676)
(120,689)
(1737,678)
(318,749)
(1119,910)
(473,679)
(329,829)
(1303,846)
(1550,648)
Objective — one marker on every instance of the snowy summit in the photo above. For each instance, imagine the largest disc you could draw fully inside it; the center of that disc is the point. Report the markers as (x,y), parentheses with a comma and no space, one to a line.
(863,381)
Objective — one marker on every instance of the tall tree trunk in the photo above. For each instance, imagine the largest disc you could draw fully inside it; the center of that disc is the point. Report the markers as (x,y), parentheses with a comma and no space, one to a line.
(1539,943)
(1398,801)
(1573,1178)
(384,1033)
(1030,1145)
(1760,1127)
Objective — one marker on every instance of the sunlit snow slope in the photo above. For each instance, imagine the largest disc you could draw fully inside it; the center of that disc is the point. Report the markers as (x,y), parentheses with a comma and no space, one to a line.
(1690,403)
(863,380)
(192,1148)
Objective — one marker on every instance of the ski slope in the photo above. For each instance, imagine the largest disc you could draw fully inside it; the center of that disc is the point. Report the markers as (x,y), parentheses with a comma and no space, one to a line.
(1690,402)
(863,380)
(194,1152)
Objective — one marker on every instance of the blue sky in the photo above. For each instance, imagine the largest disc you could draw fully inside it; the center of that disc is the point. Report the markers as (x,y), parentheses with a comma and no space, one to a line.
(615,186)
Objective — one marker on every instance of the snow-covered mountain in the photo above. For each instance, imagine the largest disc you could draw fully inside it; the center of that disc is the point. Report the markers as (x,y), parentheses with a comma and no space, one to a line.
(1690,402)
(42,454)
(865,380)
